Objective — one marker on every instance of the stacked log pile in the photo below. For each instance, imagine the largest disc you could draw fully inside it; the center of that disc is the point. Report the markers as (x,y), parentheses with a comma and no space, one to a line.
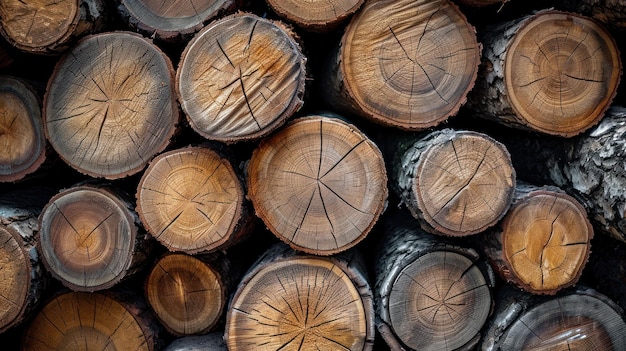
(320,175)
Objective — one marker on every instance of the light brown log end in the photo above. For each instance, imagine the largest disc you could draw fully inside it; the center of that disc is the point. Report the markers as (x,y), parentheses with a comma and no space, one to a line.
(15,274)
(317,15)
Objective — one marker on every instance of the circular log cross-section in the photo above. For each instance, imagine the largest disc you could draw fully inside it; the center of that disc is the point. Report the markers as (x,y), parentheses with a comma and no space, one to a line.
(408,64)
(110,105)
(456,182)
(318,184)
(87,321)
(186,294)
(192,200)
(49,27)
(22,140)
(240,78)
(171,20)
(87,237)
(318,15)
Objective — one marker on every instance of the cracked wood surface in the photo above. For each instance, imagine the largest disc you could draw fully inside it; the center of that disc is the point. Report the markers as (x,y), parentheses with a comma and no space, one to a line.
(316,15)
(408,64)
(319,184)
(240,78)
(110,105)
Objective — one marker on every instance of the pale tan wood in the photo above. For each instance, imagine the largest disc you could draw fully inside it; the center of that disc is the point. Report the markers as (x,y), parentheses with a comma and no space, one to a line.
(192,199)
(241,77)
(407,64)
(110,105)
(319,184)
(316,15)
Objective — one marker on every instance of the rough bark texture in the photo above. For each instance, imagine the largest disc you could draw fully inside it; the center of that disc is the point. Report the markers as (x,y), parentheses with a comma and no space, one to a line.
(534,84)
(206,342)
(431,293)
(316,16)
(611,13)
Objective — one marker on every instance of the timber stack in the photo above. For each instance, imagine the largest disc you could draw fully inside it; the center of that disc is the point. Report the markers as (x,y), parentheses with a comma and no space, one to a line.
(323,175)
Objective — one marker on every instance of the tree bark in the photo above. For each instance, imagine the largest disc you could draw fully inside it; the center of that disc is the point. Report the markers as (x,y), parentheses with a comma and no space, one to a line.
(290,301)
(172,21)
(22,141)
(431,293)
(188,293)
(107,320)
(543,242)
(90,237)
(241,77)
(577,319)
(552,72)
(455,182)
(406,64)
(207,342)
(110,105)
(193,200)
(317,16)
(611,13)
(50,28)
(319,184)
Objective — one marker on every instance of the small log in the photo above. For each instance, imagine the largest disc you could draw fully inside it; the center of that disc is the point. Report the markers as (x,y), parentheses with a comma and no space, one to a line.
(50,27)
(407,64)
(319,184)
(92,321)
(577,319)
(543,242)
(192,200)
(188,294)
(611,13)
(552,72)
(90,237)
(241,77)
(316,16)
(207,342)
(305,302)
(110,105)
(173,20)
(455,182)
(431,293)
(22,140)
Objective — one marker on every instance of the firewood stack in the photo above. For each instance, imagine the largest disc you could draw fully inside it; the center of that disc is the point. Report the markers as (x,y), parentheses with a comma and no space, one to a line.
(321,175)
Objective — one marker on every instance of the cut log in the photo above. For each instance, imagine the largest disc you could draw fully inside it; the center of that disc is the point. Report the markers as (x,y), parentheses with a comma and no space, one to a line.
(22,140)
(241,77)
(89,237)
(576,319)
(110,105)
(171,21)
(316,16)
(192,200)
(543,242)
(552,72)
(188,294)
(50,27)
(302,302)
(92,321)
(611,13)
(431,293)
(455,182)
(319,184)
(408,64)
(208,342)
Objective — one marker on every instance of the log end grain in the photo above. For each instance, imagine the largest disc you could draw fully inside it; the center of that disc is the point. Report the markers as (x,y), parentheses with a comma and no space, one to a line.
(317,15)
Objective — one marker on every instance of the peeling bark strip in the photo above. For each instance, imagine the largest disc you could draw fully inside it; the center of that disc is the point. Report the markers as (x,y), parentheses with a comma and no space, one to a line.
(455,182)
(240,78)
(193,200)
(92,321)
(319,184)
(172,20)
(316,15)
(407,64)
(49,27)
(207,342)
(430,293)
(110,105)
(552,72)
(22,140)
(577,319)
(302,302)
(188,294)
(89,238)
(543,242)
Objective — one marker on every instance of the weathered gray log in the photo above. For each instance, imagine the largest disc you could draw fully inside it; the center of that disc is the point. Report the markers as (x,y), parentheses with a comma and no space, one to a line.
(207,342)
